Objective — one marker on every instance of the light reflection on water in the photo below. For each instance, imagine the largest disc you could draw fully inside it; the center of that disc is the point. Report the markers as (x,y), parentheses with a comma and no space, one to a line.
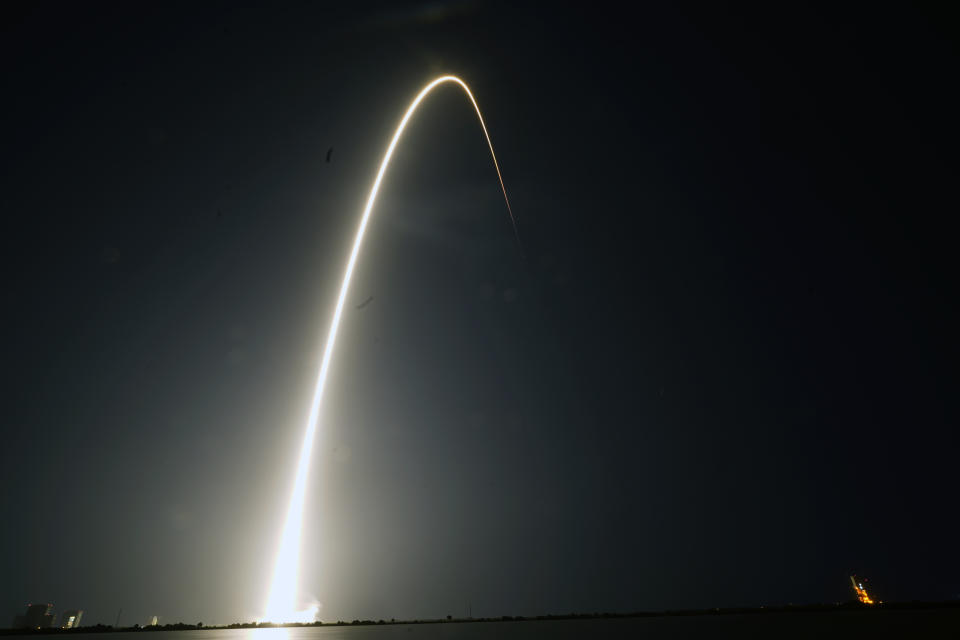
(263,634)
(558,629)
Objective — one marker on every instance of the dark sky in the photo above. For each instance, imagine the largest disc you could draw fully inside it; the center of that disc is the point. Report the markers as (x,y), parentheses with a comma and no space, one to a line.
(724,373)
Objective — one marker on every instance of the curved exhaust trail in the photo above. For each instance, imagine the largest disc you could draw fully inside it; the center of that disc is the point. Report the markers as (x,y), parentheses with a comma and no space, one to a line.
(281,606)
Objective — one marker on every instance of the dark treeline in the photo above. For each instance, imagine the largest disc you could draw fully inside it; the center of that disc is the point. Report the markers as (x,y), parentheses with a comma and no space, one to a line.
(808,608)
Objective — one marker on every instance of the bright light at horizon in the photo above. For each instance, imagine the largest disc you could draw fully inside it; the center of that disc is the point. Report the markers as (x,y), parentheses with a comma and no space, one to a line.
(282,602)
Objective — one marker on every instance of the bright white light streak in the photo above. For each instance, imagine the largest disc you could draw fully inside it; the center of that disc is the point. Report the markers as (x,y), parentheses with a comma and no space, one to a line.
(282,603)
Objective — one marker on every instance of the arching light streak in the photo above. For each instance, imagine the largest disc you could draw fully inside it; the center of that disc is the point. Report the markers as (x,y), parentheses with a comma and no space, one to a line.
(282,605)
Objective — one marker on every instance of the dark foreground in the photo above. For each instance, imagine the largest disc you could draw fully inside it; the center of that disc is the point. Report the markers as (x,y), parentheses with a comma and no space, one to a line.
(891,621)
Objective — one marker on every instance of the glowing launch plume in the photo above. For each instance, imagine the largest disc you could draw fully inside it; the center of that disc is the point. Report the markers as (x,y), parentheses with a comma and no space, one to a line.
(282,605)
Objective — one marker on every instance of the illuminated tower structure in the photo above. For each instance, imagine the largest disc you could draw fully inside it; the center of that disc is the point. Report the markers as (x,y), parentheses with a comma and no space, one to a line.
(862,594)
(70,619)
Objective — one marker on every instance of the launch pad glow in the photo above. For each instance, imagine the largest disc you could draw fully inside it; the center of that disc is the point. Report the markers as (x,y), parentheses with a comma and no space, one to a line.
(282,602)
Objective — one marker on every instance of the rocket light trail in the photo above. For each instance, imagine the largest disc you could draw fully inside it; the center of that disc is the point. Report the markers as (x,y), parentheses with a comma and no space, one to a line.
(282,605)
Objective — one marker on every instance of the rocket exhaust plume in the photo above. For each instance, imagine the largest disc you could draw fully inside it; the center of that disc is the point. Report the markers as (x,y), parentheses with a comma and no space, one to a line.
(282,604)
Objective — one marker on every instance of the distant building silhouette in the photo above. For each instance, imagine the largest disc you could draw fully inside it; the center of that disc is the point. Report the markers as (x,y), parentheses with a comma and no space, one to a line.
(153,621)
(37,616)
(70,619)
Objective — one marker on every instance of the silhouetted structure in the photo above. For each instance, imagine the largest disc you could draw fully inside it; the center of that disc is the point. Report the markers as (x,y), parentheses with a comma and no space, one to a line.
(37,616)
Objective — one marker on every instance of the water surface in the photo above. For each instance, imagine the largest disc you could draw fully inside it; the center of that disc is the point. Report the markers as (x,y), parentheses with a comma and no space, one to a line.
(943,623)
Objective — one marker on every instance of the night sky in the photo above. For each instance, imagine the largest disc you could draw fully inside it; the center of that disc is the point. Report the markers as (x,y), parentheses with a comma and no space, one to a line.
(722,372)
